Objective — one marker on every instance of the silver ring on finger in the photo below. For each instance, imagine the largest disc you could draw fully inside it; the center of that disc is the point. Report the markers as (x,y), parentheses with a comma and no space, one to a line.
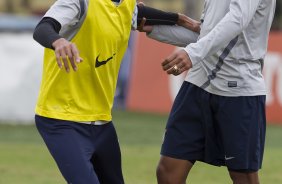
(176,70)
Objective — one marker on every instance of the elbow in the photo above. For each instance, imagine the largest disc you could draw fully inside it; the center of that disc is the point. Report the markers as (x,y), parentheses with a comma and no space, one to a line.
(239,19)
(243,24)
(35,34)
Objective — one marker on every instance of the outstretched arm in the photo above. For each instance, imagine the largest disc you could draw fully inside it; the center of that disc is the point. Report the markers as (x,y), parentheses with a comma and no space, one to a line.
(240,14)
(148,16)
(47,31)
(173,35)
(180,36)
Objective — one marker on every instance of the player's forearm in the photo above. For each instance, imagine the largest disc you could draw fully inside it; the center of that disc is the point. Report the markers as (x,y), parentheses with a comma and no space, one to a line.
(155,17)
(189,23)
(158,17)
(46,32)
(174,35)
(235,21)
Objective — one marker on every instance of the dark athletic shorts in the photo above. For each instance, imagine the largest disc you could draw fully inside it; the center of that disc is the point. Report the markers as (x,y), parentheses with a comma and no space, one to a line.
(84,153)
(218,130)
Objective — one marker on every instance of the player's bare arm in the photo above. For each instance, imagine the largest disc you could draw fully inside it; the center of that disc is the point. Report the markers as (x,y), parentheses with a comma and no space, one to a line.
(179,61)
(189,23)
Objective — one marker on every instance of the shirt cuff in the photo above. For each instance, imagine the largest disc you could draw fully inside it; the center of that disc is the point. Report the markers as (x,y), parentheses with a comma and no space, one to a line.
(192,56)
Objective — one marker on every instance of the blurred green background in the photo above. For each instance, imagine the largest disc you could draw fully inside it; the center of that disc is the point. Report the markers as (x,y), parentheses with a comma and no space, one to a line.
(24,159)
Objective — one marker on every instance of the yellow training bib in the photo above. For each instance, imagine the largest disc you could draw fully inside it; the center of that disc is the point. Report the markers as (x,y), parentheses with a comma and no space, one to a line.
(88,94)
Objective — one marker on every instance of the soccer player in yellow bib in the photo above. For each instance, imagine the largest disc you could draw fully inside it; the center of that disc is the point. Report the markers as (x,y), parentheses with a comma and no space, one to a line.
(87,40)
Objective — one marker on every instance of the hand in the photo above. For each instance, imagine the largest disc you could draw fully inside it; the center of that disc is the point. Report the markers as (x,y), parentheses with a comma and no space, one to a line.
(67,52)
(141,3)
(188,23)
(143,28)
(177,63)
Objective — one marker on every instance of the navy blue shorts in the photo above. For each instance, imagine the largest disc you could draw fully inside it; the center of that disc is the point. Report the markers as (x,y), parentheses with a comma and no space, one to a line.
(85,154)
(218,130)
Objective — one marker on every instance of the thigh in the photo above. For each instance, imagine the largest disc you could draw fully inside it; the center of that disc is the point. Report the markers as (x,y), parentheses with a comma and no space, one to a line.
(185,131)
(70,148)
(242,125)
(107,157)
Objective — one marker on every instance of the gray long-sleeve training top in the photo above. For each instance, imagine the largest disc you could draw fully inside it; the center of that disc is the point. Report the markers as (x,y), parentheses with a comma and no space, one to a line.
(229,52)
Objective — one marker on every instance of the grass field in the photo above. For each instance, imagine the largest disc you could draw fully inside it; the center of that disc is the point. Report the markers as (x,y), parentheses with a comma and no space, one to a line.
(24,158)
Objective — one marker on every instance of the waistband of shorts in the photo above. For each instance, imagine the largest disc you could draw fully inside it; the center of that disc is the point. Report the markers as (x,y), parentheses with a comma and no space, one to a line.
(94,122)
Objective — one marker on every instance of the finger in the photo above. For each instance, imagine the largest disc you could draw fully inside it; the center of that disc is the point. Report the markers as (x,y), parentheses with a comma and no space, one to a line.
(171,64)
(181,65)
(65,60)
(58,59)
(172,71)
(143,21)
(75,53)
(142,24)
(71,58)
(181,70)
(148,29)
(176,69)
(169,59)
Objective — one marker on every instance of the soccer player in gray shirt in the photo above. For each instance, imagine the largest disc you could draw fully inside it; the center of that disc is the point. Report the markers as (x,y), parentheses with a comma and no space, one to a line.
(218,116)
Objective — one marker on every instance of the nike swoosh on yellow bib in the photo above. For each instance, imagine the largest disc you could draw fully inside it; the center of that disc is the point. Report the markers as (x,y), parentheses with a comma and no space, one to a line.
(100,63)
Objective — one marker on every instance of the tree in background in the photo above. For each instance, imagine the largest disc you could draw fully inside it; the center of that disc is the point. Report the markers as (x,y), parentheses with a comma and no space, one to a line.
(26,4)
(193,8)
(17,6)
(9,6)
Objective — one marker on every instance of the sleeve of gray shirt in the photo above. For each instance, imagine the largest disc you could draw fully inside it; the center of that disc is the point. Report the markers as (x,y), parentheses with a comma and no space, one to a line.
(240,14)
(174,35)
(68,12)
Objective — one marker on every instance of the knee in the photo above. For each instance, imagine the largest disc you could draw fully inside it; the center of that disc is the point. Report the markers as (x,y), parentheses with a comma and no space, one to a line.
(161,172)
(172,171)
(163,175)
(244,178)
(239,180)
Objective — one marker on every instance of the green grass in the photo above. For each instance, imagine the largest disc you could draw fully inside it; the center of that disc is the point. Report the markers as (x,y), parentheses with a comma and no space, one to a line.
(24,158)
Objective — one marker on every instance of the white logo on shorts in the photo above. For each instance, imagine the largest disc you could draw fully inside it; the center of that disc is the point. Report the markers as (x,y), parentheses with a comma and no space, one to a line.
(229,158)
